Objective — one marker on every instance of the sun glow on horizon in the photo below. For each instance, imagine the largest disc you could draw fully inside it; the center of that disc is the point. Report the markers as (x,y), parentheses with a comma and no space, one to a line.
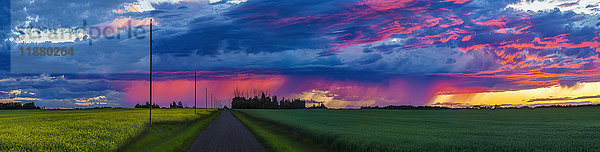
(582,93)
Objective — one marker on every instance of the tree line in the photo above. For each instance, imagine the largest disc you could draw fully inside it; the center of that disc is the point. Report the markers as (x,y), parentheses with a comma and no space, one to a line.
(18,105)
(147,105)
(266,102)
(176,105)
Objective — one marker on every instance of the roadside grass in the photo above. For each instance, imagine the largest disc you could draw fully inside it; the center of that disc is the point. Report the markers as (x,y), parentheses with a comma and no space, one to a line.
(540,129)
(277,139)
(170,136)
(87,129)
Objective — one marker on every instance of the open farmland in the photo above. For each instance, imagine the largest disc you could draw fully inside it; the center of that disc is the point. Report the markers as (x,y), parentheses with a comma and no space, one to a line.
(543,129)
(81,130)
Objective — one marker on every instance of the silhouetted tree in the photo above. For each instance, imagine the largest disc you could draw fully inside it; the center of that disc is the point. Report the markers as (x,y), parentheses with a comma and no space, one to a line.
(147,105)
(321,106)
(264,102)
(18,105)
(176,105)
(274,102)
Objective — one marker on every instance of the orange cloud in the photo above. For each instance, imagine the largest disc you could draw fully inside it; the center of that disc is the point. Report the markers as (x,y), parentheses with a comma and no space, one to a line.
(129,7)
(125,21)
(456,1)
(498,22)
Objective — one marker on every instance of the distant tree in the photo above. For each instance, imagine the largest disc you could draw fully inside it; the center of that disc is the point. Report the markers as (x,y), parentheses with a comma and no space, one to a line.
(264,102)
(321,106)
(274,102)
(283,104)
(147,105)
(176,105)
(18,105)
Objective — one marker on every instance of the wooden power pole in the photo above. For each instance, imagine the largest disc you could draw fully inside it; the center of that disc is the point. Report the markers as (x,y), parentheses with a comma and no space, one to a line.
(195,92)
(151,72)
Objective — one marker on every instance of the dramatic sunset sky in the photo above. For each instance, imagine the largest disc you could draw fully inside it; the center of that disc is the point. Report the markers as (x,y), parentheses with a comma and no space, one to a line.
(345,53)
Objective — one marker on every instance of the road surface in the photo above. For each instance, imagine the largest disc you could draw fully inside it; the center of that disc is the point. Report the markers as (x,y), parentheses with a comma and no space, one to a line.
(226,133)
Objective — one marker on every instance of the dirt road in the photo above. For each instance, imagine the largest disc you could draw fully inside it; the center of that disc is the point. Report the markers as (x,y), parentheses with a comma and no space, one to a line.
(226,133)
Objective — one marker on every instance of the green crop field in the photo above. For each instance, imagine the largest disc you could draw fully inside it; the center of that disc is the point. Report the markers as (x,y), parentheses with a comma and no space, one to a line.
(82,130)
(542,129)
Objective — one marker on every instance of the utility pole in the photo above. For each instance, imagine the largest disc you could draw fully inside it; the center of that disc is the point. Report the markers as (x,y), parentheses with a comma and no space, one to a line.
(151,72)
(206,99)
(195,92)
(211,99)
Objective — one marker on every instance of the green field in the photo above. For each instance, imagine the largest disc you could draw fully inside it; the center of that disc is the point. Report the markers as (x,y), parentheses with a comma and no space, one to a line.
(276,138)
(543,129)
(92,129)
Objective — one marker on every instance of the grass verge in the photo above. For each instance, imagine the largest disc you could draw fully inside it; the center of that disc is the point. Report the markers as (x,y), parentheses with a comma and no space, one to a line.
(277,138)
(170,136)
